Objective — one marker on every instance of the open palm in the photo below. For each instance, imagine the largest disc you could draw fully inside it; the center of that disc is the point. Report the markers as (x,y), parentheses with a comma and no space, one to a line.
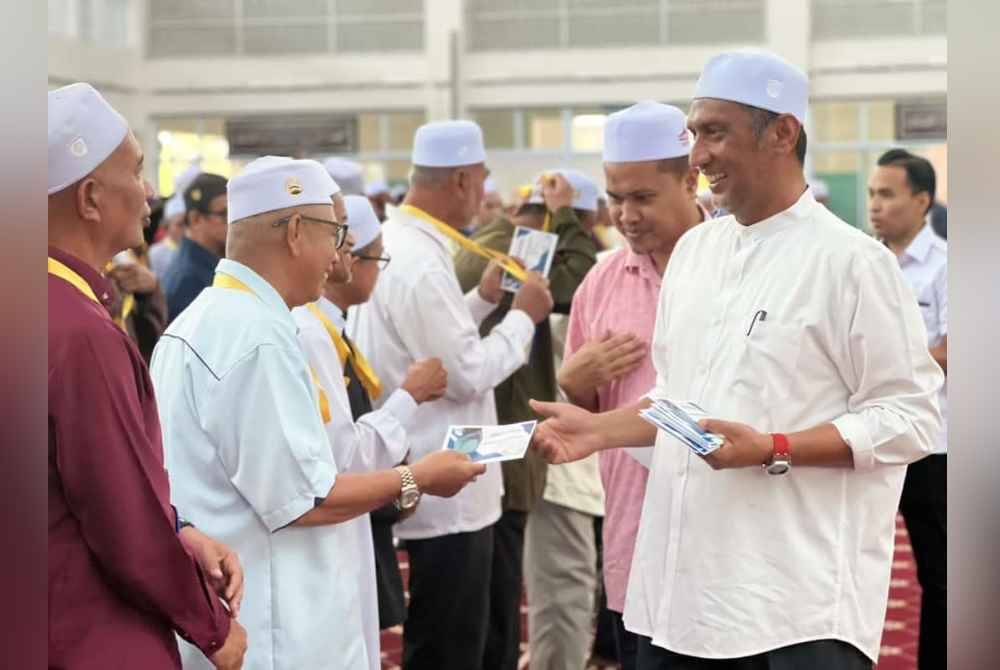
(568,434)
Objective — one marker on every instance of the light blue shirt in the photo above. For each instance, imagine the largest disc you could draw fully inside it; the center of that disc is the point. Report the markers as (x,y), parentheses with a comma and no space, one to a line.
(248,455)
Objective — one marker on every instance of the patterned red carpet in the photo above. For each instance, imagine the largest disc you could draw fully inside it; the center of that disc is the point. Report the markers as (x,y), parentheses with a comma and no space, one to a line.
(899,641)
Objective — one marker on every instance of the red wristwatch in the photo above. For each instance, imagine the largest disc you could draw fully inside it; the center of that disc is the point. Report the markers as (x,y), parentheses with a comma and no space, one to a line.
(781,457)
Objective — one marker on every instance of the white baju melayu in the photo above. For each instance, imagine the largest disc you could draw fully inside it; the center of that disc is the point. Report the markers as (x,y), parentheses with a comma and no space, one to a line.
(248,455)
(732,563)
(376,441)
(925,267)
(418,311)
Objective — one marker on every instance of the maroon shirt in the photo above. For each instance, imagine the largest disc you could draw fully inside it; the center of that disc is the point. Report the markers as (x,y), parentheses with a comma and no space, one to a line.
(120,581)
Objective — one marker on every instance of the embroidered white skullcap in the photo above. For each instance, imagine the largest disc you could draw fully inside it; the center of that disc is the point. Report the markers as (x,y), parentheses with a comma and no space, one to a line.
(584,190)
(175,205)
(490,186)
(375,187)
(756,78)
(361,220)
(350,176)
(398,191)
(278,182)
(448,144)
(646,131)
(83,131)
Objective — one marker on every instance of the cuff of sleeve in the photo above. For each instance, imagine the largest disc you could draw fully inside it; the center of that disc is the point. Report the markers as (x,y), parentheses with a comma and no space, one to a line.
(853,431)
(402,406)
(480,308)
(320,487)
(521,325)
(212,641)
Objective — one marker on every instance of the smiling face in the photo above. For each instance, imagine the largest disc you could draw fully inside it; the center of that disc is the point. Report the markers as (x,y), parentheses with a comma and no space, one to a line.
(727,151)
(650,205)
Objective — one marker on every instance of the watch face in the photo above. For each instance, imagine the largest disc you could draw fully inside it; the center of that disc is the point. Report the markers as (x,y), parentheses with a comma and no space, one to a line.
(778,468)
(409,498)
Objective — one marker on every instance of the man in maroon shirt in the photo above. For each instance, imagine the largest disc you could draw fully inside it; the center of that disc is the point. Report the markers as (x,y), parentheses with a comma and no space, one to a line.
(122,577)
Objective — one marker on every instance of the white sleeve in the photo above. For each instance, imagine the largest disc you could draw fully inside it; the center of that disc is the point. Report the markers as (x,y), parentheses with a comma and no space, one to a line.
(263,415)
(893,416)
(941,294)
(478,308)
(434,321)
(377,440)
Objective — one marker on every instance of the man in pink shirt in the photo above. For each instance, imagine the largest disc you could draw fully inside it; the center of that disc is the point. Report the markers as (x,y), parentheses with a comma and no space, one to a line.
(651,191)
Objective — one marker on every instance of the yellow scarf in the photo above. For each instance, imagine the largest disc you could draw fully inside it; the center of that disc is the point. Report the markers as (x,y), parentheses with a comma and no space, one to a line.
(505,261)
(63,272)
(228,281)
(128,303)
(366,375)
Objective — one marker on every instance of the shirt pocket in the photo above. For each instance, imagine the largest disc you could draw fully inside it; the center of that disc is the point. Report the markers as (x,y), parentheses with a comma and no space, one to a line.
(770,359)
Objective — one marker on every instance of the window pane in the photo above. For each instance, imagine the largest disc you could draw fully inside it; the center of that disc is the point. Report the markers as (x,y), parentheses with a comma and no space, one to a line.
(861,18)
(543,129)
(258,40)
(620,30)
(386,36)
(191,9)
(370,135)
(882,120)
(402,126)
(498,127)
(378,7)
(191,41)
(836,122)
(714,26)
(588,130)
(935,18)
(282,9)
(535,33)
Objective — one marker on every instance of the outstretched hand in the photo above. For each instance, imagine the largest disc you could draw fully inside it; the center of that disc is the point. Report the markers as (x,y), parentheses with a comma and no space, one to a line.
(567,434)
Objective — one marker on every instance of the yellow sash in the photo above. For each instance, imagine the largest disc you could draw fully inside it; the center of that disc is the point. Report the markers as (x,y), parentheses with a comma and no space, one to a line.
(128,303)
(63,272)
(228,281)
(366,375)
(505,261)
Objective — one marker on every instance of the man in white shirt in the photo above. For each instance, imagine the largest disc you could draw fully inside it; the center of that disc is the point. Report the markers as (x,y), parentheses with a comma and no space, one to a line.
(775,550)
(243,425)
(376,440)
(418,311)
(901,192)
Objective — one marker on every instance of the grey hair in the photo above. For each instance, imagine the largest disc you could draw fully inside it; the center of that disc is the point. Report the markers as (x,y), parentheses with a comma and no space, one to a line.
(431,177)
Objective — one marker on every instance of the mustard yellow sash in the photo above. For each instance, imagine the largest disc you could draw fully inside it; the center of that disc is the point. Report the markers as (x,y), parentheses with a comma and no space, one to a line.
(63,272)
(505,261)
(128,303)
(228,281)
(366,375)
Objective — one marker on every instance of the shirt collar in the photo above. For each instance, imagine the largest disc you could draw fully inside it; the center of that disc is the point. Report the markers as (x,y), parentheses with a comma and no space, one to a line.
(424,227)
(772,225)
(332,312)
(260,286)
(921,245)
(97,282)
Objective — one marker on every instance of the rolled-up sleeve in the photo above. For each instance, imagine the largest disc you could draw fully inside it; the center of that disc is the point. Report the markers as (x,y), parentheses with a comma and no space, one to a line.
(264,416)
(892,416)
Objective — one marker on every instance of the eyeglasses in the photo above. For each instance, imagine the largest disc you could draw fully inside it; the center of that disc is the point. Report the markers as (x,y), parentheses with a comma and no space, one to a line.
(383,261)
(340,228)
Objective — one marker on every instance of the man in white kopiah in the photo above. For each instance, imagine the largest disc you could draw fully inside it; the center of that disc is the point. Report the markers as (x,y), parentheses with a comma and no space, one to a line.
(418,311)
(799,333)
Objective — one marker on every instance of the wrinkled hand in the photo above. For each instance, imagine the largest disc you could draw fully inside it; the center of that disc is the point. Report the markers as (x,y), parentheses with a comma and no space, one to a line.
(600,362)
(743,447)
(426,380)
(534,297)
(230,656)
(445,473)
(220,564)
(568,434)
(557,191)
(489,283)
(134,278)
